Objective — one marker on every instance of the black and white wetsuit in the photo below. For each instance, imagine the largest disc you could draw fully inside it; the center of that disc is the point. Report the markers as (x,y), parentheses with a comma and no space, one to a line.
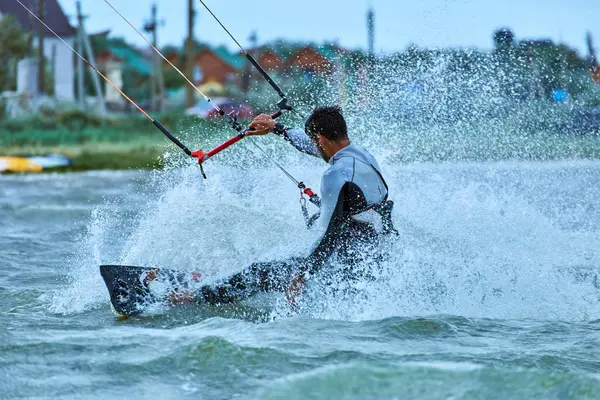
(354,211)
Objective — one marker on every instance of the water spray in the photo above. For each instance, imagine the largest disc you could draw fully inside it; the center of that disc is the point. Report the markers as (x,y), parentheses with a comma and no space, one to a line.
(283,103)
(229,118)
(232,119)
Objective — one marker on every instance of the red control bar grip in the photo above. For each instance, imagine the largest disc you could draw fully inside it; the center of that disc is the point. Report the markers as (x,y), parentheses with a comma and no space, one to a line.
(203,156)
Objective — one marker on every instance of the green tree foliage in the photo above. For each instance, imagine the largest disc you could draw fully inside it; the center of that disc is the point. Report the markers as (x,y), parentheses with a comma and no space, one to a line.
(172,77)
(13,46)
(503,40)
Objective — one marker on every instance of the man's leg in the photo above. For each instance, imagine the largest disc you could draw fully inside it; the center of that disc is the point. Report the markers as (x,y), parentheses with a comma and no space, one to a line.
(273,276)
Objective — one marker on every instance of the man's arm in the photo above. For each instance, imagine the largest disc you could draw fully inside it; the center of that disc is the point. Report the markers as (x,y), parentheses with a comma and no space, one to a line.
(300,140)
(264,124)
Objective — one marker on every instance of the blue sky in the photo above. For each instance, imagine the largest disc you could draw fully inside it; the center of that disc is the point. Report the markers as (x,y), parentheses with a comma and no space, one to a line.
(399,23)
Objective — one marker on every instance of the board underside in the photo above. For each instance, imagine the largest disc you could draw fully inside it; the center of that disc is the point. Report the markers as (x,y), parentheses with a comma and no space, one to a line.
(132,288)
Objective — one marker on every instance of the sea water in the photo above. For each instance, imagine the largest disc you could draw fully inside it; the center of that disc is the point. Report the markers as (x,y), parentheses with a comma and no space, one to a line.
(491,289)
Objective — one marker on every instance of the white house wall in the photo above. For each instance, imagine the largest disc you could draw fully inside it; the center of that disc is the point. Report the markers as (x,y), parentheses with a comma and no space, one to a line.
(62,61)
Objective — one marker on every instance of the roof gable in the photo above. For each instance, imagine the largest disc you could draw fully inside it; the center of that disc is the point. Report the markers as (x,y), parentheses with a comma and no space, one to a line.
(131,59)
(54,17)
(235,61)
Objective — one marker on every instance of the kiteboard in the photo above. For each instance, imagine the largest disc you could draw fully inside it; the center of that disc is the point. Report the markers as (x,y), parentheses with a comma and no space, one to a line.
(133,289)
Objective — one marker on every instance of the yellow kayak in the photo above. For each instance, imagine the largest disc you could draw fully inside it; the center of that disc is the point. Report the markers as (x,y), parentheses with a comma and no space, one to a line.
(33,164)
(18,164)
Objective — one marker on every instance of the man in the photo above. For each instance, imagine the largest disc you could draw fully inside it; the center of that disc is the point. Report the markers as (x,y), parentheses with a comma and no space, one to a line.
(355,211)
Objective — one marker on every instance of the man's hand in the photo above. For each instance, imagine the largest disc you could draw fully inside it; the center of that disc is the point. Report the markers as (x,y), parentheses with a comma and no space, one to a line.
(261,125)
(294,290)
(182,297)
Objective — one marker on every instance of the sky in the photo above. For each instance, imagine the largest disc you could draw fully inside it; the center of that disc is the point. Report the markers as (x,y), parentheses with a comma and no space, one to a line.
(399,23)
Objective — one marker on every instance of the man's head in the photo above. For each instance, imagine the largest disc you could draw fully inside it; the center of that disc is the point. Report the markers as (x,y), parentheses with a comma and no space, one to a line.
(327,128)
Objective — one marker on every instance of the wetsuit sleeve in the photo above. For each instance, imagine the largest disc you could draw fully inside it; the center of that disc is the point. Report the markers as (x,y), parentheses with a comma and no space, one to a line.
(300,140)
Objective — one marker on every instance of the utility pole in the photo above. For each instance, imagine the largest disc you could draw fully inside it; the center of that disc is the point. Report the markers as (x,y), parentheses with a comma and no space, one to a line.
(80,67)
(152,28)
(159,65)
(371,31)
(41,61)
(157,82)
(85,44)
(190,54)
(591,51)
(247,76)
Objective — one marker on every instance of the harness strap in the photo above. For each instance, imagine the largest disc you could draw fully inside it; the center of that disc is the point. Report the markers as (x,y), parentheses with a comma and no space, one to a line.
(387,190)
(384,208)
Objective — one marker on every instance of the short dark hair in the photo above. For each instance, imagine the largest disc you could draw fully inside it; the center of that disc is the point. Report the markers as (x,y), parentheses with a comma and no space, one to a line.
(327,121)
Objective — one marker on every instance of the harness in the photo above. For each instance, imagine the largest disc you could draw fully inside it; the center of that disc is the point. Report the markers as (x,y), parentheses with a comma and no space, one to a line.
(360,218)
(383,209)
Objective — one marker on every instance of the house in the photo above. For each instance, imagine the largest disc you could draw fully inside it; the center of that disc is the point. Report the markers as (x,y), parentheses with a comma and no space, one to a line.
(596,74)
(217,65)
(124,63)
(215,68)
(310,59)
(60,59)
(270,60)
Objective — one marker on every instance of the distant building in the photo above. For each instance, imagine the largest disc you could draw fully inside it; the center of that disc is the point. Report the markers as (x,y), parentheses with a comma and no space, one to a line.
(218,65)
(311,59)
(61,59)
(217,69)
(596,74)
(270,60)
(119,60)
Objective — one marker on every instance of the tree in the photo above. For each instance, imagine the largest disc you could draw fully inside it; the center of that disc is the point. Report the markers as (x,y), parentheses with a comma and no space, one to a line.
(504,40)
(13,46)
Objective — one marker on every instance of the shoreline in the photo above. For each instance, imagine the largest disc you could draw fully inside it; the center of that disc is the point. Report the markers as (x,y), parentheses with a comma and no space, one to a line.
(417,147)
(105,156)
(148,159)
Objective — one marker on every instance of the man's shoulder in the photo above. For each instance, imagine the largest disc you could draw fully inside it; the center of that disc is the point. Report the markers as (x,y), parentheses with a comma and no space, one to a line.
(355,153)
(338,172)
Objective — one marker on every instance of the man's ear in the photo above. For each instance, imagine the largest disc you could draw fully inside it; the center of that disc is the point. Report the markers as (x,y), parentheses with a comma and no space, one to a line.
(322,140)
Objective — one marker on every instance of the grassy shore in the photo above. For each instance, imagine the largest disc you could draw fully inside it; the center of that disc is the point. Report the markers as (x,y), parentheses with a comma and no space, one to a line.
(129,143)
(94,156)
(137,144)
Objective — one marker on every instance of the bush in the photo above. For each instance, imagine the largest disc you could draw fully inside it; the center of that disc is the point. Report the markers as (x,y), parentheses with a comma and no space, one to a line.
(77,120)
(75,127)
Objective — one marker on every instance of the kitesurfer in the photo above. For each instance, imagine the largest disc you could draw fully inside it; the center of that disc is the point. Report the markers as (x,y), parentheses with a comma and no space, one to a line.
(355,211)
